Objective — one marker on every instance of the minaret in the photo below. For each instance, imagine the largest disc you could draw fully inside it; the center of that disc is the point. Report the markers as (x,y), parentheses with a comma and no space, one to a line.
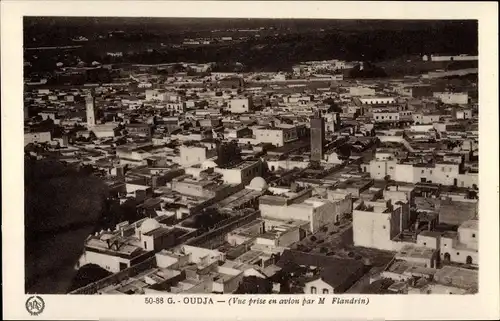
(317,137)
(90,104)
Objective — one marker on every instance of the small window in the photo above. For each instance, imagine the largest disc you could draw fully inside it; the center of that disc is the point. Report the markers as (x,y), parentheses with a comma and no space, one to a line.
(473,235)
(422,171)
(145,245)
(458,253)
(325,291)
(383,226)
(314,290)
(430,171)
(425,243)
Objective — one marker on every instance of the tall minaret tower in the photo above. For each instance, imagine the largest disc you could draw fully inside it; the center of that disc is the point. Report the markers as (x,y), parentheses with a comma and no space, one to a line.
(90,104)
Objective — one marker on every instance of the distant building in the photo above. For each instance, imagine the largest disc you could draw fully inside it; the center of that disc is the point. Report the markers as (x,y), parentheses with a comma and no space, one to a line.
(361,91)
(242,172)
(317,137)
(196,154)
(452,98)
(377,100)
(105,130)
(463,114)
(462,57)
(279,135)
(144,130)
(241,105)
(37,137)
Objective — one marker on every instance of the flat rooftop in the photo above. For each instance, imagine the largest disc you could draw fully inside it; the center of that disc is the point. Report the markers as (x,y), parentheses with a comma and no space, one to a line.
(456,276)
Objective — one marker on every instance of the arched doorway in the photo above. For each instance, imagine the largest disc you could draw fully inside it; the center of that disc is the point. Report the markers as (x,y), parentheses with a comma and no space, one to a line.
(447,257)
(468,260)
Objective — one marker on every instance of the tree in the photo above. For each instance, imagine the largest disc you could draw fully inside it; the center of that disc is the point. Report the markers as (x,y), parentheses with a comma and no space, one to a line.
(88,274)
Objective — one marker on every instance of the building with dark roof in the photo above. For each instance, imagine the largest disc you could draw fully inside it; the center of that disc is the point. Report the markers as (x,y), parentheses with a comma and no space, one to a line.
(330,274)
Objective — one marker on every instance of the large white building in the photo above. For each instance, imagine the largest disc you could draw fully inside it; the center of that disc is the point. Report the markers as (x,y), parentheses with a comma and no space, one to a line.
(196,154)
(240,173)
(376,224)
(445,173)
(278,136)
(303,207)
(241,105)
(461,246)
(127,245)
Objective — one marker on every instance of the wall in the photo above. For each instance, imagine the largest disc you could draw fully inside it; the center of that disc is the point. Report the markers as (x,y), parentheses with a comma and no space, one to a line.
(192,155)
(386,117)
(241,105)
(372,230)
(147,263)
(378,169)
(107,262)
(428,241)
(272,136)
(452,98)
(206,239)
(458,255)
(39,137)
(289,237)
(236,239)
(323,215)
(452,58)
(285,213)
(377,100)
(166,261)
(361,91)
(197,253)
(403,173)
(243,175)
(468,180)
(469,237)
(156,95)
(420,172)
(445,174)
(165,241)
(320,285)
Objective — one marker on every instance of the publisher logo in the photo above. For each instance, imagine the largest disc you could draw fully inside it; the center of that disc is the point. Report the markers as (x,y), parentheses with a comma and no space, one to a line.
(35,305)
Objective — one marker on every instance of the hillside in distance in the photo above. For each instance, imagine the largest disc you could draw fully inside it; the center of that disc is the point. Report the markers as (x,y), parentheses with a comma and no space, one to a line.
(281,42)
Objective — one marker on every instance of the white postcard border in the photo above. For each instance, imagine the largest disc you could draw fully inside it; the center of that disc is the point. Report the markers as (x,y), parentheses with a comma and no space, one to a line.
(482,305)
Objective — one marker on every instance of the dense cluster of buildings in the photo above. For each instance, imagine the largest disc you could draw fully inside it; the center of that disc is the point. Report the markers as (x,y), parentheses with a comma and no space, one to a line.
(341,186)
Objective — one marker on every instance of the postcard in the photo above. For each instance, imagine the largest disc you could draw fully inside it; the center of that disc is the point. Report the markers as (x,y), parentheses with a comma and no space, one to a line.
(247,160)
